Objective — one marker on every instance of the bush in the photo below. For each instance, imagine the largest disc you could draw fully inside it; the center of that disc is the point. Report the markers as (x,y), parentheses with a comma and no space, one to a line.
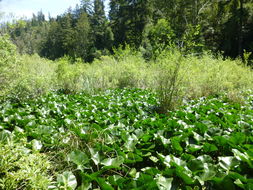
(169,87)
(20,168)
(31,76)
(37,76)
(24,76)
(126,69)
(69,76)
(8,64)
(209,76)
(173,75)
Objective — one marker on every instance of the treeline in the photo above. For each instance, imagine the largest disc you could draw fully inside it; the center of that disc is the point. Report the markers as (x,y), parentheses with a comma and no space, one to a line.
(151,26)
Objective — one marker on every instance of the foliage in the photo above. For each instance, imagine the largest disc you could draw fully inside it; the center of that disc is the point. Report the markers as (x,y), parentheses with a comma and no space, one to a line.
(159,37)
(192,41)
(69,76)
(127,145)
(198,76)
(169,84)
(37,76)
(151,25)
(20,167)
(8,64)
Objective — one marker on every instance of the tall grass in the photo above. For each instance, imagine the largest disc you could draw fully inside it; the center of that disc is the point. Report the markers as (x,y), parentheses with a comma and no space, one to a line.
(172,75)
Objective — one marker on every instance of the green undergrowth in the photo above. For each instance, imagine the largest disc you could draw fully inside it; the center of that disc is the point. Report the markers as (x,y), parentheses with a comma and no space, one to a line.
(22,167)
(117,140)
(25,77)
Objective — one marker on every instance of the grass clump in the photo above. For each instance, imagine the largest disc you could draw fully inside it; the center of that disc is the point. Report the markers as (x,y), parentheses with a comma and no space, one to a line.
(173,75)
(20,168)
(8,64)
(37,76)
(209,76)
(25,76)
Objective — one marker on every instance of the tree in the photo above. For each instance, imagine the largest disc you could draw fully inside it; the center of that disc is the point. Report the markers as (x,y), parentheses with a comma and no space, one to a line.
(83,41)
(128,19)
(99,24)
(87,6)
(67,34)
(51,48)
(157,38)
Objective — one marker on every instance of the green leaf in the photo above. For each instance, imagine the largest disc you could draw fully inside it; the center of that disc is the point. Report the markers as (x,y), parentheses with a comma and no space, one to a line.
(209,148)
(228,162)
(220,140)
(193,148)
(18,130)
(185,175)
(117,180)
(103,184)
(242,156)
(163,183)
(79,158)
(132,158)
(85,186)
(131,141)
(239,183)
(238,138)
(5,135)
(197,137)
(205,158)
(154,159)
(175,141)
(151,171)
(113,162)
(208,173)
(66,181)
(133,172)
(171,160)
(146,182)
(95,156)
(195,165)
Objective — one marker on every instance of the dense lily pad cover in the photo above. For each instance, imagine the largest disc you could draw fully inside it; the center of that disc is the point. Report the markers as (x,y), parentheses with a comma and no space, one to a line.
(125,144)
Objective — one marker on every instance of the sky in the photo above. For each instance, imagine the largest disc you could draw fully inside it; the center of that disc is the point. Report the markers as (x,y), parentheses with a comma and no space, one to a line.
(25,8)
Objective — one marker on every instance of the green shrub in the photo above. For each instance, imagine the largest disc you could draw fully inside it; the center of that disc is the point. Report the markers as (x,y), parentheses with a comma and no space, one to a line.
(24,76)
(69,76)
(8,64)
(126,69)
(20,168)
(197,76)
(169,87)
(157,38)
(31,76)
(207,76)
(37,76)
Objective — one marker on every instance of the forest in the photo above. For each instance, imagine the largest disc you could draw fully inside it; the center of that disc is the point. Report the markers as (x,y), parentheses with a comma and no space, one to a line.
(150,26)
(142,95)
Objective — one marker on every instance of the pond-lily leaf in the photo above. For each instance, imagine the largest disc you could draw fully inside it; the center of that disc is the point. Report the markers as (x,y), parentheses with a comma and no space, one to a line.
(79,158)
(163,183)
(113,162)
(67,180)
(228,162)
(95,156)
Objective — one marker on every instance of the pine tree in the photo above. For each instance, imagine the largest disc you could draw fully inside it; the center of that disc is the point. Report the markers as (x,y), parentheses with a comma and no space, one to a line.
(99,24)
(83,40)
(128,20)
